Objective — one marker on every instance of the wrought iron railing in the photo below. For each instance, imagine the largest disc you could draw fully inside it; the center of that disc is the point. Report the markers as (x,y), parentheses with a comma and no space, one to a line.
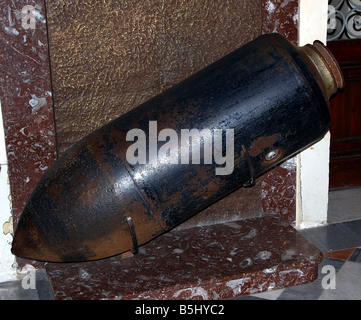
(344,19)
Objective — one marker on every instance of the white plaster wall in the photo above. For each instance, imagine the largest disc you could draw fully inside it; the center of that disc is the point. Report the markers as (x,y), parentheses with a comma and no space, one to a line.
(313,163)
(7,259)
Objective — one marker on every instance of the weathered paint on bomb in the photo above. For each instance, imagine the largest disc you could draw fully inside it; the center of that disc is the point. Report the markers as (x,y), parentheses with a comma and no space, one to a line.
(268,91)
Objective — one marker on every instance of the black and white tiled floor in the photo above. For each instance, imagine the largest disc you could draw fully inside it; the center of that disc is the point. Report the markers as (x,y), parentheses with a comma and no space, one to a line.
(339,276)
(339,273)
(346,285)
(340,243)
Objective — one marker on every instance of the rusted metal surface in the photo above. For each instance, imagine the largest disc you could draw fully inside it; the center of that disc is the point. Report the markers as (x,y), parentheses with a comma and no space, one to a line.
(328,73)
(266,91)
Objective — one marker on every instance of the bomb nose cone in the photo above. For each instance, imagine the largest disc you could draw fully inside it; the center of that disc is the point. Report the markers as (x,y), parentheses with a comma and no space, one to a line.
(75,213)
(79,210)
(29,242)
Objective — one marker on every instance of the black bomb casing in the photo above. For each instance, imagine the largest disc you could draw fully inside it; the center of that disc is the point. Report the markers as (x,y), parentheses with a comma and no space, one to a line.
(92,203)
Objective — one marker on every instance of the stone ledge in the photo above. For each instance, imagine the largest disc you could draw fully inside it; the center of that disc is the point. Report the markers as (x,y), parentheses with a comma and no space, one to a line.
(221,261)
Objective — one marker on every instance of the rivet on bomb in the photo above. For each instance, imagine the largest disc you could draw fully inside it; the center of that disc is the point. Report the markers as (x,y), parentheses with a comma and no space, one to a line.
(271,155)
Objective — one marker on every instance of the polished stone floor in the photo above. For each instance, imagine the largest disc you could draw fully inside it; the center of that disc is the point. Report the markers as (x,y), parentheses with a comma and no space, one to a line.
(339,272)
(339,276)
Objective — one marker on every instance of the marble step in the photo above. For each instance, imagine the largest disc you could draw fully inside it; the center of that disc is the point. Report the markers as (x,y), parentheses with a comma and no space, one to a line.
(221,261)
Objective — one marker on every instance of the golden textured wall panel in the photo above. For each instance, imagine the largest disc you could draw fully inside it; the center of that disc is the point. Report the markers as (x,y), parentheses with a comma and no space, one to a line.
(108,56)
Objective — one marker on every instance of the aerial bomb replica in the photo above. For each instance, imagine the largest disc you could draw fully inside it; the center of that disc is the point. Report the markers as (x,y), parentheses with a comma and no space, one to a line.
(176,154)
